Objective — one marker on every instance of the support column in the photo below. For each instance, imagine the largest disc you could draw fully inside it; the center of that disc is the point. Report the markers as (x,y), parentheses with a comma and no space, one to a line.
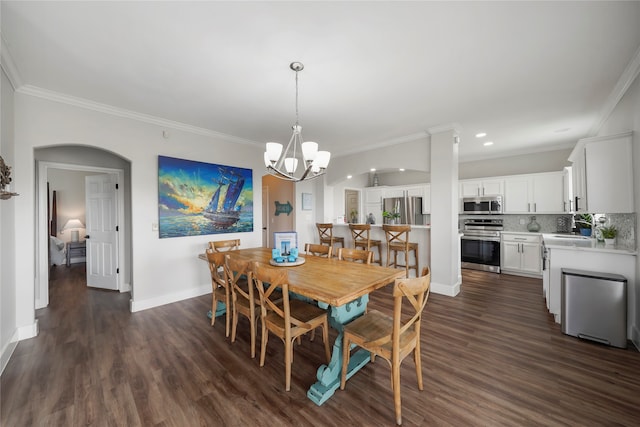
(445,243)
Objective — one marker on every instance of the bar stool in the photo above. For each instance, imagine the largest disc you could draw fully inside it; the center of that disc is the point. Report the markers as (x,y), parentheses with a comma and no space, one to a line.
(361,239)
(326,234)
(398,241)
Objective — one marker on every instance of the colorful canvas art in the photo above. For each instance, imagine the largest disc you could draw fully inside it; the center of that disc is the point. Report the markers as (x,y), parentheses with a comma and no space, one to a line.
(196,198)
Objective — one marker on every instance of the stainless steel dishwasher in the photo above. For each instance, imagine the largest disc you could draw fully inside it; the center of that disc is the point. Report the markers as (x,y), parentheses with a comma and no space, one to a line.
(594,306)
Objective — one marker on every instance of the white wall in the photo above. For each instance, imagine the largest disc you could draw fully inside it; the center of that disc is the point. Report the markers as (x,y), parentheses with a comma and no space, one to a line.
(9,334)
(626,117)
(164,270)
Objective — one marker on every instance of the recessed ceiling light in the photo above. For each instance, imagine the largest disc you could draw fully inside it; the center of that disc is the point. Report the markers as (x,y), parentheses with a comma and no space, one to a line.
(349,176)
(562,130)
(481,135)
(488,143)
(372,169)
(401,169)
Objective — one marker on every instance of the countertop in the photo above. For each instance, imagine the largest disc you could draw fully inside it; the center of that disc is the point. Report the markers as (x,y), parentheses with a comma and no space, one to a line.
(426,227)
(573,242)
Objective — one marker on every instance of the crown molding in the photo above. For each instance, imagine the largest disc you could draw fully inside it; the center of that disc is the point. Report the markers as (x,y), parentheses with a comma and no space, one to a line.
(462,158)
(626,79)
(128,114)
(8,65)
(454,127)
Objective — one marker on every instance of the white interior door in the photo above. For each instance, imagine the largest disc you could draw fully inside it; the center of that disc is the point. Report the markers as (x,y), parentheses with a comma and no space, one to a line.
(265,217)
(102,231)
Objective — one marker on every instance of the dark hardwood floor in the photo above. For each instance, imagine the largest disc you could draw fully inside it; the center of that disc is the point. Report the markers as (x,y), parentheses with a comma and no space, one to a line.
(490,356)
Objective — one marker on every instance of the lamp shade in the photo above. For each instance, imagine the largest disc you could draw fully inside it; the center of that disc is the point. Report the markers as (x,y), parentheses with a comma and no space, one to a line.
(72,224)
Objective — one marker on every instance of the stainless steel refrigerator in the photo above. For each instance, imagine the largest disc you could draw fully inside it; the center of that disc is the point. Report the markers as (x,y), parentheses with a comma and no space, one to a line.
(410,209)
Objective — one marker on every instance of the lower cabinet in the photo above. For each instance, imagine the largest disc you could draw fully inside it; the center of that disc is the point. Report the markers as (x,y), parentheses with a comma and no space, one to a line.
(521,253)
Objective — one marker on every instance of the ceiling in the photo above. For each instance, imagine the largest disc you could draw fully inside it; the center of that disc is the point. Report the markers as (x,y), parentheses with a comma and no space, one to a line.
(532,75)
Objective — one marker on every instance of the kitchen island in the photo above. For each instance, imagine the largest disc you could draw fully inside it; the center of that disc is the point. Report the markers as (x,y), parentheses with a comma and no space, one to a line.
(566,251)
(420,234)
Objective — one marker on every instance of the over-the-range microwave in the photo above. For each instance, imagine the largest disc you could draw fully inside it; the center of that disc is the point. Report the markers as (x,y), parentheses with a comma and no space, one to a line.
(485,205)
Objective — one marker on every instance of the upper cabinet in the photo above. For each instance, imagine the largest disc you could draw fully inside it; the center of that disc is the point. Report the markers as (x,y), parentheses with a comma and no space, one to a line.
(603,174)
(534,193)
(481,187)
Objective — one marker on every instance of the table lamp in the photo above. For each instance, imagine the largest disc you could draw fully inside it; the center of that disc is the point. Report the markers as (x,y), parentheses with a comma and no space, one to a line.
(73,225)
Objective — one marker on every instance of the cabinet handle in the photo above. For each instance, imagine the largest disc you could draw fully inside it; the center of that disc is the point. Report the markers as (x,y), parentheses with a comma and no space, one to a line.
(577,208)
(535,208)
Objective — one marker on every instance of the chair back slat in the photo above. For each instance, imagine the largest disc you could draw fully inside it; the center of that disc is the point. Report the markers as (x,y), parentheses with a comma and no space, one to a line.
(225,245)
(216,263)
(318,250)
(355,255)
(236,269)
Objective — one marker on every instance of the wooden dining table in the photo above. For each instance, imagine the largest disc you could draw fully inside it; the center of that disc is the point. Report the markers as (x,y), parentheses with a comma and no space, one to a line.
(342,288)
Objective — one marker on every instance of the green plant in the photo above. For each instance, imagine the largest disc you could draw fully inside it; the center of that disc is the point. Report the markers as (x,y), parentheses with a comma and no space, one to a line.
(609,232)
(584,220)
(391,215)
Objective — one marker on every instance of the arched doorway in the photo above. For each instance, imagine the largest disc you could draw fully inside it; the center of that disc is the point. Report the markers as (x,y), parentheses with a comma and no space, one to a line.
(91,160)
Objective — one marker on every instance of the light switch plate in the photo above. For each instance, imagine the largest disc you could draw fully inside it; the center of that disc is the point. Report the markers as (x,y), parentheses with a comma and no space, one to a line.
(521,221)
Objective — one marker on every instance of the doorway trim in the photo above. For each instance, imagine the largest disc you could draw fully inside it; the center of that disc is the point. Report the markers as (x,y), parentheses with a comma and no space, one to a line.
(42,228)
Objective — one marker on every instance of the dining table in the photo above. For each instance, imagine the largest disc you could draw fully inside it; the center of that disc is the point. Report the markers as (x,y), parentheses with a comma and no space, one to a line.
(340,287)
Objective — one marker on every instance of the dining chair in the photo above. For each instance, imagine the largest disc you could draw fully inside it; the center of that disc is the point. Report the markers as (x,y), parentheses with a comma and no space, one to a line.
(318,250)
(391,337)
(289,319)
(325,231)
(398,241)
(243,295)
(361,234)
(220,291)
(225,245)
(355,255)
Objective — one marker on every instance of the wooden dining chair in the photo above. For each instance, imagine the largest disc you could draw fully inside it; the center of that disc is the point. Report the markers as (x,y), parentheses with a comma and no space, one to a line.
(355,255)
(288,319)
(398,241)
(225,245)
(245,298)
(325,231)
(361,234)
(220,286)
(318,250)
(392,338)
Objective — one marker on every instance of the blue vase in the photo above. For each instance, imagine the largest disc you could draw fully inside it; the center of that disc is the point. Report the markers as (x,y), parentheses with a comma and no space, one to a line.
(585,231)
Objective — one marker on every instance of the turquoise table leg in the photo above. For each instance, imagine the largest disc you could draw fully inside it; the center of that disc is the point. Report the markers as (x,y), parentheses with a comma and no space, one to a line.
(329,375)
(221,309)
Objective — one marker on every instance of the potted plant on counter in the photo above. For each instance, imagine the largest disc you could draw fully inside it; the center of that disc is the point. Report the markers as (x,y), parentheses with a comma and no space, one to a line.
(609,234)
(391,217)
(584,222)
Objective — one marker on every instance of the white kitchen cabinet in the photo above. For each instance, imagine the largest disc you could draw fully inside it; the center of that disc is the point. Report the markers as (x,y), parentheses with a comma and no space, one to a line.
(567,189)
(520,253)
(373,202)
(534,193)
(603,174)
(481,187)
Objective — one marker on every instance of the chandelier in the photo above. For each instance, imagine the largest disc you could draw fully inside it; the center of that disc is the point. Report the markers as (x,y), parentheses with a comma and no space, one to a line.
(284,163)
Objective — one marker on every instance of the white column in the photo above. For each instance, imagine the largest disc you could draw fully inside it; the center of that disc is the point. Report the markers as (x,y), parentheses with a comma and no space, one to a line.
(445,250)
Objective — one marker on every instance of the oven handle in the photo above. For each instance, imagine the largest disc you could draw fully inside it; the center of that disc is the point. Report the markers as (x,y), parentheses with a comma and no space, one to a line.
(483,239)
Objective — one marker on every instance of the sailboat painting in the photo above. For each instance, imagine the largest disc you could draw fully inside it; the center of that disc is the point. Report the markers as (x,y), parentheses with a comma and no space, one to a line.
(196,198)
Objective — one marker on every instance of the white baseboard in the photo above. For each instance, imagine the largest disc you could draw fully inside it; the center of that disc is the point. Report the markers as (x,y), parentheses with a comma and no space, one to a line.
(20,334)
(126,287)
(170,298)
(7,351)
(448,290)
(28,331)
(635,337)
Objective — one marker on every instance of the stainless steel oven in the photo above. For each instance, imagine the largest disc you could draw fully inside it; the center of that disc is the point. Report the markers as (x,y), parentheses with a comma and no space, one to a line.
(480,244)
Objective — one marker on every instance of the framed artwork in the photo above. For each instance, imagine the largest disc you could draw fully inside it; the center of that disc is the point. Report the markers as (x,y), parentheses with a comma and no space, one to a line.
(285,241)
(196,198)
(306,201)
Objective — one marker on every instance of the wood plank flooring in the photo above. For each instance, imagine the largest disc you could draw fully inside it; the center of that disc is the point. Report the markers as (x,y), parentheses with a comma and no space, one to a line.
(491,356)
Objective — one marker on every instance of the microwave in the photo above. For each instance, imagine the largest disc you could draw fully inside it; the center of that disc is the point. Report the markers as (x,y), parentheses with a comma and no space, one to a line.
(486,205)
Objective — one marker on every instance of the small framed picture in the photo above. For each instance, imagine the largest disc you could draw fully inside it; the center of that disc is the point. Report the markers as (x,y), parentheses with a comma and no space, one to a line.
(306,201)
(285,241)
